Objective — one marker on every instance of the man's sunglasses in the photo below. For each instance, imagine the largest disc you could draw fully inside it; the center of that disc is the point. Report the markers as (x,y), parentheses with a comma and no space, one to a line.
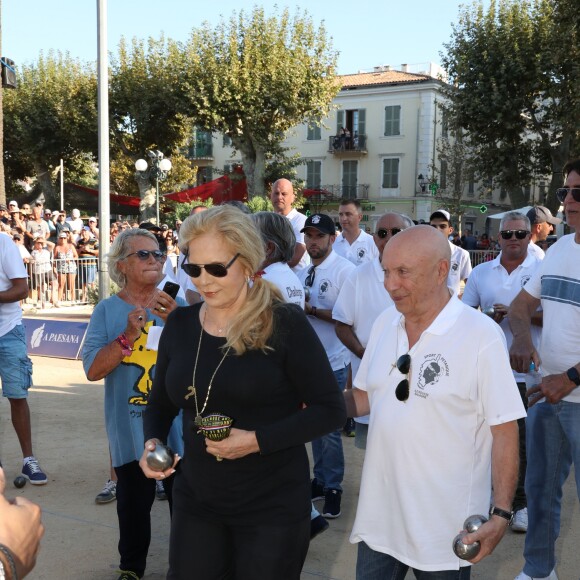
(564,191)
(310,278)
(143,255)
(382,233)
(403,366)
(508,234)
(215,270)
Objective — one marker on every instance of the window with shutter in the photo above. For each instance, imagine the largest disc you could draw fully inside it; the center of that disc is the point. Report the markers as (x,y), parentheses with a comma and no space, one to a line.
(390,173)
(313,174)
(392,120)
(314,133)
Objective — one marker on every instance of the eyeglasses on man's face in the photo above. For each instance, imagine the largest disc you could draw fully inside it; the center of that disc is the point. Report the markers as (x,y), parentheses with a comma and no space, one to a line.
(562,193)
(508,234)
(216,270)
(382,233)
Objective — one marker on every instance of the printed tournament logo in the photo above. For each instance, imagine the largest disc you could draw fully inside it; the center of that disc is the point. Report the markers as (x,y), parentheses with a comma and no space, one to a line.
(455,266)
(316,219)
(525,279)
(324,287)
(432,369)
(361,253)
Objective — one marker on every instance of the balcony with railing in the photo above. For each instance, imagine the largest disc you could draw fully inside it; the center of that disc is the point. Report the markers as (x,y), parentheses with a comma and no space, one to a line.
(334,193)
(347,145)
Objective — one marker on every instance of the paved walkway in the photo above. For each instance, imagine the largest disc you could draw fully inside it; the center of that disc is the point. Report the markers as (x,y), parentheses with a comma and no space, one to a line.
(81,537)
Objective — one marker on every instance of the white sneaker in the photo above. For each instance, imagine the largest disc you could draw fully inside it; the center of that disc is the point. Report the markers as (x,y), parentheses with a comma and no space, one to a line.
(523,576)
(520,521)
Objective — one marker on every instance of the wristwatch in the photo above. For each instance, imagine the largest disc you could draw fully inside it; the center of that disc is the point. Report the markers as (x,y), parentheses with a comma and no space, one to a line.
(495,511)
(573,375)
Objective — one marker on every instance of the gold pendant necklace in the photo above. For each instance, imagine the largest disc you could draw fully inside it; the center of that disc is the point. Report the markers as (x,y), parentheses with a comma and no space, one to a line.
(192,390)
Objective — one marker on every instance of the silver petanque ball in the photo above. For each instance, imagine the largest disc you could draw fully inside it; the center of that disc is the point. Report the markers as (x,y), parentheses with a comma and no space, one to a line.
(489,311)
(465,551)
(161,458)
(473,523)
(306,293)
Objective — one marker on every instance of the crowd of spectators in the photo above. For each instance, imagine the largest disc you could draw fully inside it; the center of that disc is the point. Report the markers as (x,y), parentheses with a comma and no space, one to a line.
(60,251)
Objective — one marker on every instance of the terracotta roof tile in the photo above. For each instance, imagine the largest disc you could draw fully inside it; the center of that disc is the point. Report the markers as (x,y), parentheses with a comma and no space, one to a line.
(381,78)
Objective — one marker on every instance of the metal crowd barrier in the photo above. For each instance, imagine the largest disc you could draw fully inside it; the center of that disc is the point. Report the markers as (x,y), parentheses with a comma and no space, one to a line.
(61,282)
(481,256)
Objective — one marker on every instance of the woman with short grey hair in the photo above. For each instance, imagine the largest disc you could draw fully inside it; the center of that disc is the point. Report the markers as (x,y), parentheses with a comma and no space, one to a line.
(117,349)
(277,235)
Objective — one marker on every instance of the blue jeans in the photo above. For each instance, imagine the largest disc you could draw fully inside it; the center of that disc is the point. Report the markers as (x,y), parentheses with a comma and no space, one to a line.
(372,565)
(553,443)
(327,450)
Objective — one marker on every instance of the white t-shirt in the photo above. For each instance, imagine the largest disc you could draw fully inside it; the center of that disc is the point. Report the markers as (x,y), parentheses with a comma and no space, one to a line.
(428,460)
(361,300)
(557,283)
(281,275)
(535,250)
(460,267)
(297,220)
(328,280)
(362,250)
(11,268)
(490,284)
(76,225)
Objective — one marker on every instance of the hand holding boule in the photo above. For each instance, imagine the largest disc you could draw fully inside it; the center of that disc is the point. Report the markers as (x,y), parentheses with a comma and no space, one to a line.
(161,458)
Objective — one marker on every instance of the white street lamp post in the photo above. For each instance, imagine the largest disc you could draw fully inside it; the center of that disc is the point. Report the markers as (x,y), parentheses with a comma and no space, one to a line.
(160,167)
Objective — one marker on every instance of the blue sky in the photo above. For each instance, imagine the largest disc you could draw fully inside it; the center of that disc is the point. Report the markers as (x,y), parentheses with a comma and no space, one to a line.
(367,33)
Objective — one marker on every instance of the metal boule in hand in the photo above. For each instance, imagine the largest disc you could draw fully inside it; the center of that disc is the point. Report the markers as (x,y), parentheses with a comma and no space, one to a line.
(161,458)
(489,311)
(470,525)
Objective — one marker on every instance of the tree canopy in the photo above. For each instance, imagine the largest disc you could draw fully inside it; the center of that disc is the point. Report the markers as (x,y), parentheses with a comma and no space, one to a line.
(52,115)
(513,71)
(254,77)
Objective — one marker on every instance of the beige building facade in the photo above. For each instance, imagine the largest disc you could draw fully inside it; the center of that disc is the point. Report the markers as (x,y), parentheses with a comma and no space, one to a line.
(379,145)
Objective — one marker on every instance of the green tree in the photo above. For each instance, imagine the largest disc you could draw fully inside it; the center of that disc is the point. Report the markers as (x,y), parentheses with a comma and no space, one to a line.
(147,114)
(455,170)
(255,77)
(51,116)
(514,70)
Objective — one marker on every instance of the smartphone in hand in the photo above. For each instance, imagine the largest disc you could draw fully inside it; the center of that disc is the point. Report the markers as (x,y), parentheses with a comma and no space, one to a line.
(171,288)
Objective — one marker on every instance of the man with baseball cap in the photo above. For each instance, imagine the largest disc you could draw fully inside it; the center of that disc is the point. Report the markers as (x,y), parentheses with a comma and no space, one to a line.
(324,279)
(542,220)
(460,266)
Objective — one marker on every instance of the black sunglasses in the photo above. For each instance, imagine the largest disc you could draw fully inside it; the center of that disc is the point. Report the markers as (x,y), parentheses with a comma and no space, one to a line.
(144,255)
(215,270)
(384,232)
(508,234)
(564,191)
(310,278)
(403,366)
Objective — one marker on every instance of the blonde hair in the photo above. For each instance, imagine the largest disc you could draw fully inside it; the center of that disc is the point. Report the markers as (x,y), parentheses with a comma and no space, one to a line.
(254,324)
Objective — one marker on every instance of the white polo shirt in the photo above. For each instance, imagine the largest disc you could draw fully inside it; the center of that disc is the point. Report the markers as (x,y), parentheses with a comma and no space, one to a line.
(329,278)
(557,283)
(535,250)
(361,300)
(460,267)
(428,460)
(11,268)
(490,284)
(362,250)
(281,275)
(297,220)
